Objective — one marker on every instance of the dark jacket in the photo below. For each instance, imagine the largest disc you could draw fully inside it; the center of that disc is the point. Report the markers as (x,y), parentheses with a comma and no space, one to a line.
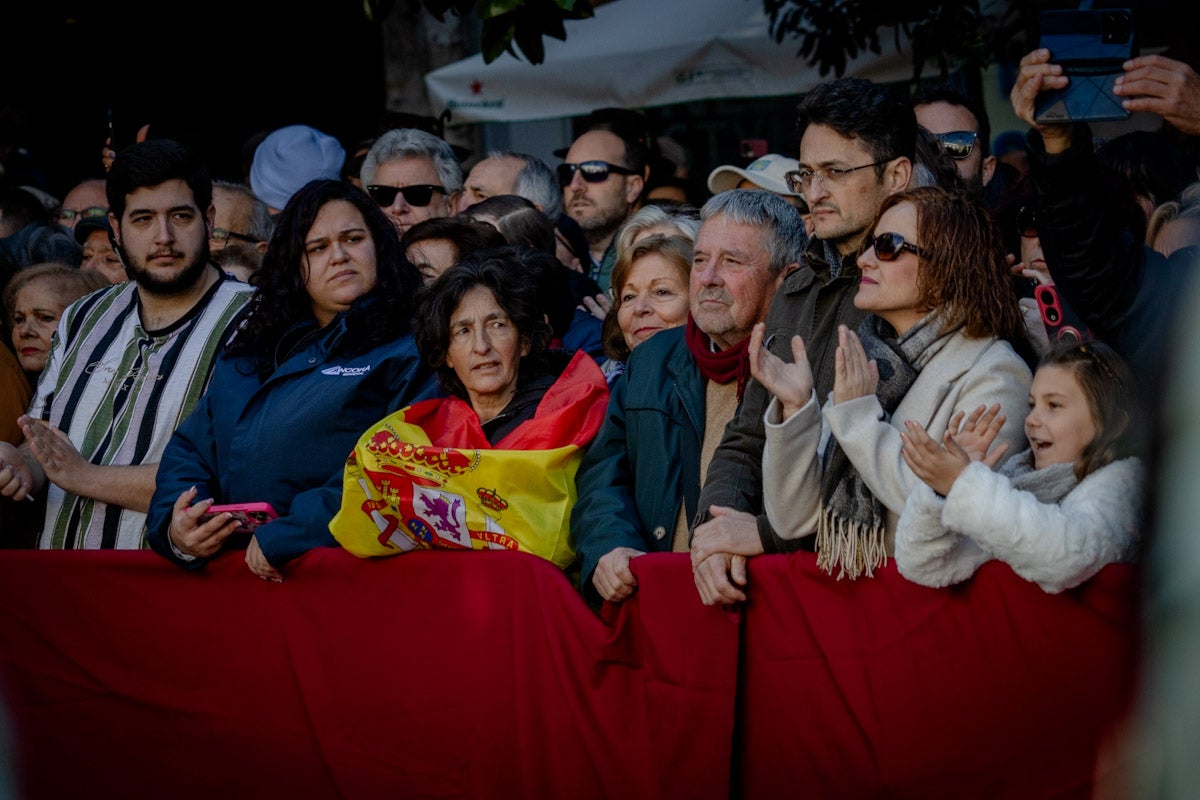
(284,440)
(811,303)
(645,461)
(1124,291)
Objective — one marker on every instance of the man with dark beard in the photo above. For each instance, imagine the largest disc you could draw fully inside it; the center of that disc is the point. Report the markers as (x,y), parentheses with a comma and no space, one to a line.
(602,179)
(961,126)
(128,363)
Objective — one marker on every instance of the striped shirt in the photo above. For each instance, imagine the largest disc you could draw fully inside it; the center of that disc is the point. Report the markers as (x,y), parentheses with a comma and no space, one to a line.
(119,391)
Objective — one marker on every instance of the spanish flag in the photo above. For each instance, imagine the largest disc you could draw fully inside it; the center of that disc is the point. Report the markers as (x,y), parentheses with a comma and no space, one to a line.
(426,476)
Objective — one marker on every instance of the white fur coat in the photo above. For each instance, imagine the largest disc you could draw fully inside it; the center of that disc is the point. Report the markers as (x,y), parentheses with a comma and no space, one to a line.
(1057,546)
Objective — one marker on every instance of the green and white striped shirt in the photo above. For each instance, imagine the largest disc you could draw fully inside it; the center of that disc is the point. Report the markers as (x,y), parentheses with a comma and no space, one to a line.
(119,391)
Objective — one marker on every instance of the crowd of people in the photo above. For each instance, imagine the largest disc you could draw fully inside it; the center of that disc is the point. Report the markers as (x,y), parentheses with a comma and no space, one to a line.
(891,346)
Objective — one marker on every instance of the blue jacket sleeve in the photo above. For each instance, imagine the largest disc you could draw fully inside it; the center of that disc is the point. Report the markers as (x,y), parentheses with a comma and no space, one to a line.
(190,459)
(605,515)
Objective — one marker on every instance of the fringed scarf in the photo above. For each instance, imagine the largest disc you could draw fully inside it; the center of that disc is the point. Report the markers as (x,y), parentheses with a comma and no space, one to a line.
(852,529)
(720,366)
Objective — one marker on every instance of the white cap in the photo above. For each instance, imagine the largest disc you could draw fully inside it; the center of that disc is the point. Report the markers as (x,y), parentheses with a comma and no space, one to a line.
(766,173)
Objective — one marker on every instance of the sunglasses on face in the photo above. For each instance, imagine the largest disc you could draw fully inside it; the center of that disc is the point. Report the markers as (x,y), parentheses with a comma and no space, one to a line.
(223,236)
(590,171)
(1027,222)
(68,214)
(957,144)
(418,196)
(889,246)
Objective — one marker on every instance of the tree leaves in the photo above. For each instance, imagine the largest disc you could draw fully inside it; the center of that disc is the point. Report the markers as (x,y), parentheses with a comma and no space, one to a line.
(833,31)
(520,22)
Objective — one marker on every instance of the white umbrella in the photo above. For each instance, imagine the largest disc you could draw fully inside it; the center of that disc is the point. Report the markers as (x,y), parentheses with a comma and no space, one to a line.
(639,53)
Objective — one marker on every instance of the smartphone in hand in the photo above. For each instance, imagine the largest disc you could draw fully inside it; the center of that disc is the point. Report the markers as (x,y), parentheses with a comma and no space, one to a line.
(249,515)
(1091,46)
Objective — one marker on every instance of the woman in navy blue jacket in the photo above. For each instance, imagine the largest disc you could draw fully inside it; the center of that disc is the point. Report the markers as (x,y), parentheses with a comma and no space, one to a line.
(325,350)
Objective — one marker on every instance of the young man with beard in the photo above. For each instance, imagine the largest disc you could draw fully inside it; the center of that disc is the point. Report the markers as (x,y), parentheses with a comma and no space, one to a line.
(602,179)
(128,363)
(857,145)
(961,126)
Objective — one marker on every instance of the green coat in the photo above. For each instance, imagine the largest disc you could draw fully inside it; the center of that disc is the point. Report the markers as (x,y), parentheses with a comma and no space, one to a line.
(645,461)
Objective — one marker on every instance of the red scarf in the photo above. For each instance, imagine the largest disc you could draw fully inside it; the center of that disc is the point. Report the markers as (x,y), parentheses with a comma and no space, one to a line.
(722,366)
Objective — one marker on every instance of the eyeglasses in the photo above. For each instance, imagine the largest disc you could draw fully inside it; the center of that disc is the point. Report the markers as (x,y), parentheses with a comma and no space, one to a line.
(418,195)
(590,171)
(223,236)
(888,247)
(1027,222)
(801,180)
(68,214)
(957,144)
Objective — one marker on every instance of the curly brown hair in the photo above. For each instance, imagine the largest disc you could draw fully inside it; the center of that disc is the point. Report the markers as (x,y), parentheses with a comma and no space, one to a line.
(964,272)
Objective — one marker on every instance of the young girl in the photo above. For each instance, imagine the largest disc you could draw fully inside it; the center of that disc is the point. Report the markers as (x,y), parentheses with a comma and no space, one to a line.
(1057,513)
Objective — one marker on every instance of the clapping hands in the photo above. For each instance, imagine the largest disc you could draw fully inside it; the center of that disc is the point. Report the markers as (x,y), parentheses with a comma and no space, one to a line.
(940,465)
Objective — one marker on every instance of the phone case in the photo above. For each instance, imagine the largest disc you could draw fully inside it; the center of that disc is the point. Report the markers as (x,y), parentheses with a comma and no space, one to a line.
(249,515)
(1090,46)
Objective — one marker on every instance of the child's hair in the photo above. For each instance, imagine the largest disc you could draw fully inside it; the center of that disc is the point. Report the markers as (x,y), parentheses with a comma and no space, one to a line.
(1107,384)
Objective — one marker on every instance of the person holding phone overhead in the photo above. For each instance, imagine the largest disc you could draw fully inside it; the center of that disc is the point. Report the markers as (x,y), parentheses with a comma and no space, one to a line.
(324,351)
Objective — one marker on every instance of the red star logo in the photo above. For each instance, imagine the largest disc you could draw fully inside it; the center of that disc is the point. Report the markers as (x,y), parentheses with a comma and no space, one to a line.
(476,87)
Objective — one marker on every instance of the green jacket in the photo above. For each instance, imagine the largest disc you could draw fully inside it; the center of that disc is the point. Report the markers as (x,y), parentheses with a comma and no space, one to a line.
(645,460)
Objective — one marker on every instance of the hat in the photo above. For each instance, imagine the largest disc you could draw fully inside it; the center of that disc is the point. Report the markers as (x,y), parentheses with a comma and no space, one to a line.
(766,173)
(89,225)
(289,158)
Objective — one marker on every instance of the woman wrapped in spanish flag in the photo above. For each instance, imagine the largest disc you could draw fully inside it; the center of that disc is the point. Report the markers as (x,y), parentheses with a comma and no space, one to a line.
(493,465)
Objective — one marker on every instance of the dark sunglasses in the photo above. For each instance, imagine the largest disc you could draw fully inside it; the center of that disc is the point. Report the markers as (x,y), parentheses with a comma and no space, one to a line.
(222,235)
(417,196)
(592,171)
(888,247)
(91,212)
(1027,222)
(957,144)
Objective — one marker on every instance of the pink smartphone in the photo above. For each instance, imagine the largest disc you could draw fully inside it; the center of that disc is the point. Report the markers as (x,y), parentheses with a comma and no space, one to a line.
(248,515)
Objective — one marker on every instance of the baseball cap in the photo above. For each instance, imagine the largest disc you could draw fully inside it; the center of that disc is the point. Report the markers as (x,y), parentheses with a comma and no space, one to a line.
(89,225)
(766,173)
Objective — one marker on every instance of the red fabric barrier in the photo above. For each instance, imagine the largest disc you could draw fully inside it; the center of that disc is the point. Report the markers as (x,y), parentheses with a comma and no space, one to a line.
(882,688)
(447,675)
(483,675)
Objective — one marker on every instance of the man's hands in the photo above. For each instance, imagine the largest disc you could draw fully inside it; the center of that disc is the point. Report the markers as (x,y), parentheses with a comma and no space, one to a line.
(1037,75)
(720,548)
(1162,86)
(58,457)
(613,578)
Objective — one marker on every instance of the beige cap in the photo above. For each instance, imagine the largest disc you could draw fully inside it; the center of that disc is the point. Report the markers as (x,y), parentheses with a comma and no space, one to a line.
(766,173)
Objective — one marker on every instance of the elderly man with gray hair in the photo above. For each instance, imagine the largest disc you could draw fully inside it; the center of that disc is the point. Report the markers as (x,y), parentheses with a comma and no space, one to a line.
(413,176)
(639,483)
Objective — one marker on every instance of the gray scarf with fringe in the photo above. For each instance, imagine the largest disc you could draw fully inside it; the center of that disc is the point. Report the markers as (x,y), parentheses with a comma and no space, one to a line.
(852,528)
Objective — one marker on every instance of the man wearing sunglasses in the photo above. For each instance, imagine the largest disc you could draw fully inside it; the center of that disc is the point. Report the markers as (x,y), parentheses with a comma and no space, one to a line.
(962,127)
(857,145)
(413,176)
(602,178)
(86,199)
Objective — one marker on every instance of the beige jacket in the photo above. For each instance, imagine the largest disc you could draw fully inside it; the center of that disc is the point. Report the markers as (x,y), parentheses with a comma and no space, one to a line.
(965,374)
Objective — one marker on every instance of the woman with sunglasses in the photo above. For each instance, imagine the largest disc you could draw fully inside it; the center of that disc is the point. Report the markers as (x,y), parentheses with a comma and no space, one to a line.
(934,348)
(324,351)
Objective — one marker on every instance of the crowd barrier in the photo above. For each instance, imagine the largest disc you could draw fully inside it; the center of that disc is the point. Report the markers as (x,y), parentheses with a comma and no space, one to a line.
(484,675)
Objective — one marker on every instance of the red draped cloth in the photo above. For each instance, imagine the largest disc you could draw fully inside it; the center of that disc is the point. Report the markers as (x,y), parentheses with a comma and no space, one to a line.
(447,675)
(882,688)
(483,675)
